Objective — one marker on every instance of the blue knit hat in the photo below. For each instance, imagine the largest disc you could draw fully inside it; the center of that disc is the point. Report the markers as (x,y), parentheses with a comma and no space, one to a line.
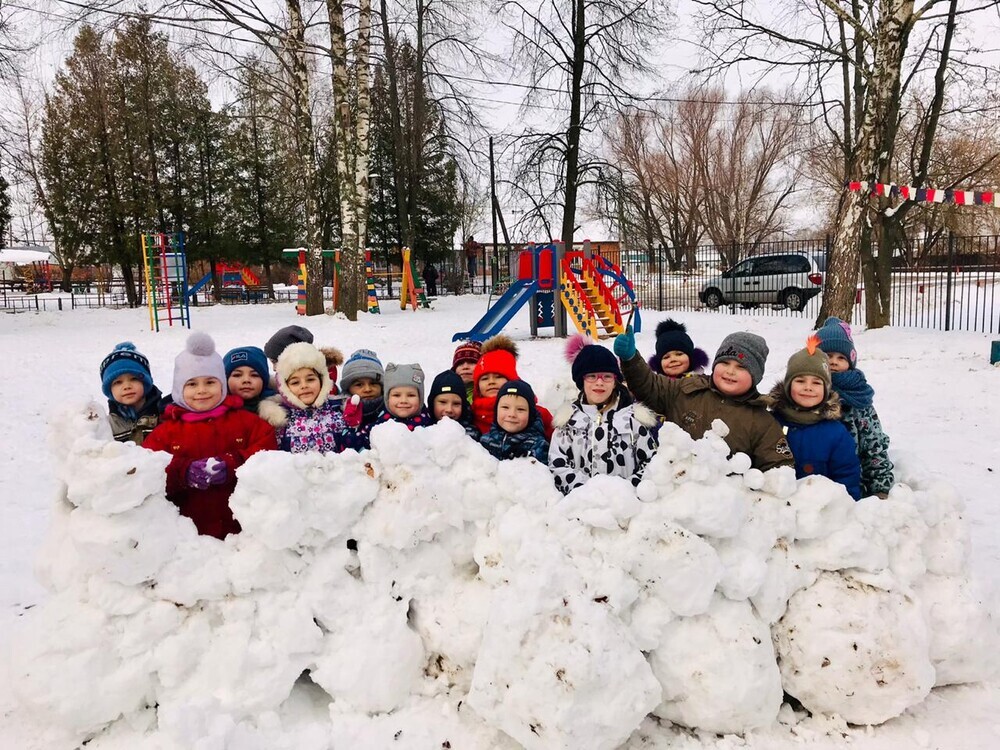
(247,356)
(835,338)
(125,359)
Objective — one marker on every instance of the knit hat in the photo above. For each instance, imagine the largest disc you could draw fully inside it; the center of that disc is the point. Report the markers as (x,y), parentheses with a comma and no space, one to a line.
(499,356)
(467,351)
(125,359)
(518,388)
(283,337)
(749,349)
(364,363)
(247,356)
(198,360)
(448,382)
(835,338)
(672,336)
(587,357)
(398,376)
(809,361)
(295,357)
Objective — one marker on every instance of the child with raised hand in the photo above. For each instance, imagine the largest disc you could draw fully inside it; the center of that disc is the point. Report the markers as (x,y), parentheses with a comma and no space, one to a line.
(133,400)
(809,411)
(209,435)
(305,415)
(447,399)
(604,432)
(404,396)
(857,408)
(497,365)
(517,430)
(463,364)
(729,394)
(676,355)
(363,377)
(247,375)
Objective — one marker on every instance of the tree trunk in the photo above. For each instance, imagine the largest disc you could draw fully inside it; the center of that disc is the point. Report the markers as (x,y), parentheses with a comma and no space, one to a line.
(362,129)
(405,232)
(573,131)
(66,284)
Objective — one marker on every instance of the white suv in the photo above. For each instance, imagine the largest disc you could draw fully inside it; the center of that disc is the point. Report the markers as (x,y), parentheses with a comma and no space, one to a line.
(787,279)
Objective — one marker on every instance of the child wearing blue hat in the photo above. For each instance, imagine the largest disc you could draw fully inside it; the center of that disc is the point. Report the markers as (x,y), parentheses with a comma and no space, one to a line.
(133,400)
(517,430)
(247,376)
(857,409)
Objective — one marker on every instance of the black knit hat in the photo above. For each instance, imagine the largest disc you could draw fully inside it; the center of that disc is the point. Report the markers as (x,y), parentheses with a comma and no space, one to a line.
(448,382)
(517,388)
(283,337)
(672,336)
(594,358)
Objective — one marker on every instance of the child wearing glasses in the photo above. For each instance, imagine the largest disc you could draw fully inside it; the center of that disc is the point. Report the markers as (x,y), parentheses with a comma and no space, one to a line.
(603,431)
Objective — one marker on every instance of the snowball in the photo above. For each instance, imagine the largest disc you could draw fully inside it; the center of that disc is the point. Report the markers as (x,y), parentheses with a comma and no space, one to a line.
(850,649)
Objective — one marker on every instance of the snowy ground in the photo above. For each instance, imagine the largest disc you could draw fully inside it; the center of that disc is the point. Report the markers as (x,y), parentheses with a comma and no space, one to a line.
(937,396)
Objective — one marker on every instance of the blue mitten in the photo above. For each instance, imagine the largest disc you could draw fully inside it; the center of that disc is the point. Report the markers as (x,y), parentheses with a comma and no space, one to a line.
(624,345)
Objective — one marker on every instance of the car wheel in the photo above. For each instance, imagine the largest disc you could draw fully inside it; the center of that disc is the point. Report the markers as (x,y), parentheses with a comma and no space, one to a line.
(714,298)
(794,299)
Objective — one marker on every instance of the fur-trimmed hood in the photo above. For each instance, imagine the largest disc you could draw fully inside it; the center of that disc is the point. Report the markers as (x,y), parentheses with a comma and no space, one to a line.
(643,414)
(272,411)
(295,357)
(779,401)
(699,361)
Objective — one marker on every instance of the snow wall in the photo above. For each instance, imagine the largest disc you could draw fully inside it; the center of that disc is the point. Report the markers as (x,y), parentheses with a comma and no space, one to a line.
(424,595)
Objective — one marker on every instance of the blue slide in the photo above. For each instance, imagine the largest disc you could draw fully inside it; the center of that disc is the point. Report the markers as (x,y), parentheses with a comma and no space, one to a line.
(502,311)
(201,282)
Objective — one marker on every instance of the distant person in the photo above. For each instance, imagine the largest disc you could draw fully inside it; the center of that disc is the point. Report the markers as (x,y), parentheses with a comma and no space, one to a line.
(472,250)
(430,276)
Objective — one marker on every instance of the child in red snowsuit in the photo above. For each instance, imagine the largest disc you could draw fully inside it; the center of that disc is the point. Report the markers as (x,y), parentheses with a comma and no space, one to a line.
(210,435)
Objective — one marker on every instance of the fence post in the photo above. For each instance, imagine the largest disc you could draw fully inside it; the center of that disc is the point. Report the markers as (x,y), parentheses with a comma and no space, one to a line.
(659,277)
(59,300)
(36,303)
(947,291)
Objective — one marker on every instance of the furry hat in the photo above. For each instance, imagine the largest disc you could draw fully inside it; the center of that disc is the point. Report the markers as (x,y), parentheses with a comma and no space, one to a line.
(749,349)
(586,357)
(518,388)
(467,351)
(294,357)
(499,356)
(198,360)
(835,338)
(672,336)
(398,376)
(125,359)
(283,337)
(364,363)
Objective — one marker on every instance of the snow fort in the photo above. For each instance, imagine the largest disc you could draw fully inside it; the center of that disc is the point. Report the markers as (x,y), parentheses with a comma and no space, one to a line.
(423,595)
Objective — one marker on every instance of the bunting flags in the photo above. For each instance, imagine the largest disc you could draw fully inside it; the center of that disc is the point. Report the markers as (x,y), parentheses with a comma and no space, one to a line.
(926,195)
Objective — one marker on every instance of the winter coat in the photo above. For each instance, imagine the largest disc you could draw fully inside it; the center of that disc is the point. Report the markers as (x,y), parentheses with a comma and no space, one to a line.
(872,445)
(232,435)
(303,429)
(129,425)
(359,438)
(484,409)
(820,443)
(530,443)
(693,403)
(420,419)
(618,441)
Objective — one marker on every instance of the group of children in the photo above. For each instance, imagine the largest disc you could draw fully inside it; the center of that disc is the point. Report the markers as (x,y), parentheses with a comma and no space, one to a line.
(223,409)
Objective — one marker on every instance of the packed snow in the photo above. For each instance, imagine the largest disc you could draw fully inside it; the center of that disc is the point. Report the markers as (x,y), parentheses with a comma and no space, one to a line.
(423,595)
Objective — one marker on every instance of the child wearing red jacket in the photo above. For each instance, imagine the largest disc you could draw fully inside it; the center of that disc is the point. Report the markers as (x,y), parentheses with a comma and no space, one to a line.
(496,366)
(210,435)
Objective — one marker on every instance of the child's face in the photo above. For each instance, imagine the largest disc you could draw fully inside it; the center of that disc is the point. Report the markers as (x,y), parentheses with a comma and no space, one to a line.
(245,382)
(305,384)
(465,369)
(731,378)
(838,362)
(675,363)
(366,388)
(202,393)
(448,405)
(127,389)
(807,391)
(489,384)
(598,387)
(403,401)
(512,414)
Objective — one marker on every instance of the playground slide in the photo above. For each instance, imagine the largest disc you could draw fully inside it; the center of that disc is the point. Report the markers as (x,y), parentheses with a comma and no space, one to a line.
(207,278)
(501,312)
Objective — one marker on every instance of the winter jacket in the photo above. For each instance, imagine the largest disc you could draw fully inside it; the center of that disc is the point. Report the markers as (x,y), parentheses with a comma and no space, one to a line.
(359,438)
(530,443)
(693,403)
(618,441)
(232,435)
(484,408)
(301,429)
(872,445)
(129,425)
(819,442)
(420,419)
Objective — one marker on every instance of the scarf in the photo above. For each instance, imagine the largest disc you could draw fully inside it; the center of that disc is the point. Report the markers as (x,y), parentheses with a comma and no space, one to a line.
(853,388)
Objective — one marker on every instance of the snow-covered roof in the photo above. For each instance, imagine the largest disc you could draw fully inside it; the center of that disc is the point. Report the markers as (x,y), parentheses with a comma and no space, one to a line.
(22,255)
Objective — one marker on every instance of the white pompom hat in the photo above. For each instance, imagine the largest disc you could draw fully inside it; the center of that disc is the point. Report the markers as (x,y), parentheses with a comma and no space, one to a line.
(198,360)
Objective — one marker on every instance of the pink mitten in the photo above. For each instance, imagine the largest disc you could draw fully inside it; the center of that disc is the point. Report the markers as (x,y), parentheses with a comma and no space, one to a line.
(352,411)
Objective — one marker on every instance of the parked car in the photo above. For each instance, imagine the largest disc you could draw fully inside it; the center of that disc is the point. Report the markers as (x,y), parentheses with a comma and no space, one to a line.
(787,279)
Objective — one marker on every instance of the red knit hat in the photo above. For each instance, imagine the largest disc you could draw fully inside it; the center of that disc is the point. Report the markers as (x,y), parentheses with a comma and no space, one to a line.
(467,351)
(500,356)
